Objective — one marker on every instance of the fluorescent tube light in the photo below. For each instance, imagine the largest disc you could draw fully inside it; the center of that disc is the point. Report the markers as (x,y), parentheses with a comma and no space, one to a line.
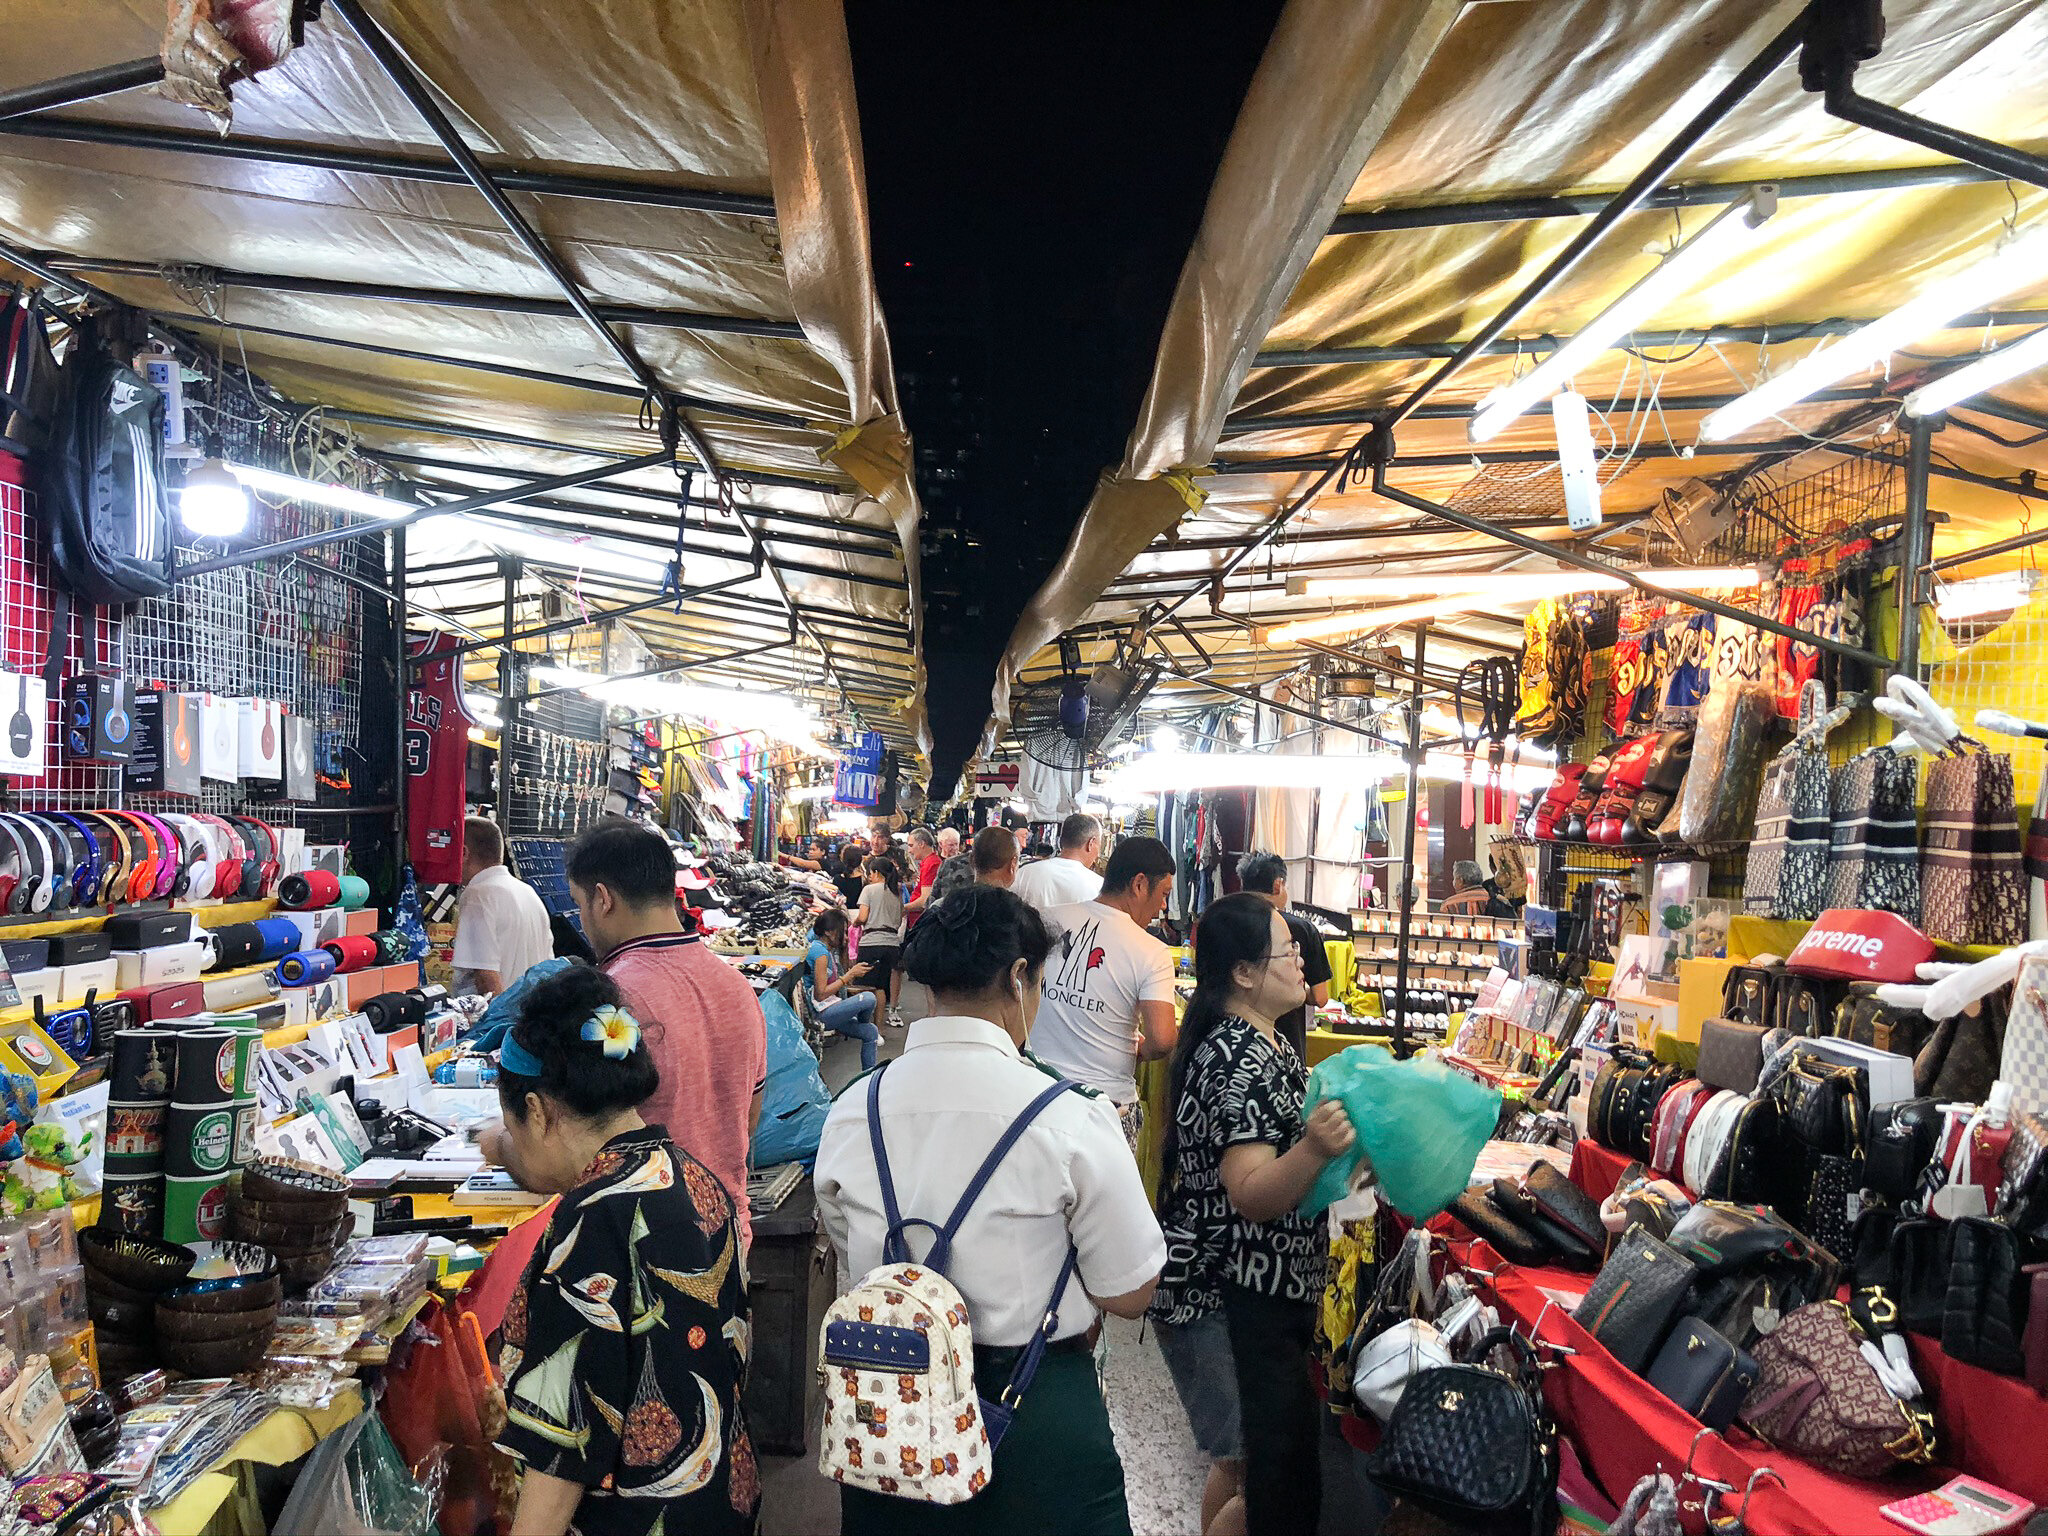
(1988,372)
(1511,586)
(342,498)
(1362,620)
(1985,594)
(2019,263)
(743,709)
(1720,241)
(1157,771)
(575,552)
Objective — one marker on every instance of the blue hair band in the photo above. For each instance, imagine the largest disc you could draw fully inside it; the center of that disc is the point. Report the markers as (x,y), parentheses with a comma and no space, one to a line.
(514,1057)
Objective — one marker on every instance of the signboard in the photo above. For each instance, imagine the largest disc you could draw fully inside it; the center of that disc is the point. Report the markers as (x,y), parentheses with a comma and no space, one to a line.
(858,779)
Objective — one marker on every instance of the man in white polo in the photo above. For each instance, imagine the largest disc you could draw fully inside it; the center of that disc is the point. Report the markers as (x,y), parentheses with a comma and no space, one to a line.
(1070,875)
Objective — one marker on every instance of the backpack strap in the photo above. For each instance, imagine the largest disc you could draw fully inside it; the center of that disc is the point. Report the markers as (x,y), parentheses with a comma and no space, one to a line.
(894,1250)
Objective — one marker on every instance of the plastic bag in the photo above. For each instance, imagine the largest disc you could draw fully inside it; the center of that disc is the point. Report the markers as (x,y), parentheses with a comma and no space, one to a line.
(1419,1122)
(356,1484)
(794,1100)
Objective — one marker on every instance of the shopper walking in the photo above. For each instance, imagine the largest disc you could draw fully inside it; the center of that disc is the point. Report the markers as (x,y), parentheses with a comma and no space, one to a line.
(1238,1159)
(1265,874)
(1069,876)
(881,929)
(1109,988)
(924,861)
(992,860)
(827,975)
(1068,1183)
(501,927)
(625,1351)
(851,880)
(703,1023)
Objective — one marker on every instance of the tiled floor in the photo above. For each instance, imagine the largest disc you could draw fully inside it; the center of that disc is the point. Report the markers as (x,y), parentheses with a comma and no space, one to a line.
(1163,1472)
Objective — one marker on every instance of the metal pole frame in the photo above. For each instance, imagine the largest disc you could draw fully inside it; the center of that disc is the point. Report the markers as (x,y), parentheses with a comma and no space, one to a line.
(1402,1047)
(402,704)
(1572,557)
(1915,540)
(86,85)
(666,668)
(510,637)
(321,157)
(434,509)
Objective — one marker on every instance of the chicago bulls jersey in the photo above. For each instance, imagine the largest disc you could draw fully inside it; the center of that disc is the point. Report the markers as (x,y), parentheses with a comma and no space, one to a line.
(435,751)
(1102,966)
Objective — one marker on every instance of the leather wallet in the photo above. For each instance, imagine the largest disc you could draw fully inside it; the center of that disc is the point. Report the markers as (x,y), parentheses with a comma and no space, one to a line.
(1502,1233)
(1731,1054)
(1639,1292)
(1563,1245)
(1566,1204)
(1703,1373)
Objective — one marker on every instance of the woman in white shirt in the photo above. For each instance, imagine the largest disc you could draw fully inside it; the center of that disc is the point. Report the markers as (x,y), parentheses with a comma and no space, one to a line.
(1069,1181)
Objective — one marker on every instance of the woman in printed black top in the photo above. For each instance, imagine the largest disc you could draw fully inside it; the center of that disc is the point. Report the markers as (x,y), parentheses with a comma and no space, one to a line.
(1238,1160)
(625,1351)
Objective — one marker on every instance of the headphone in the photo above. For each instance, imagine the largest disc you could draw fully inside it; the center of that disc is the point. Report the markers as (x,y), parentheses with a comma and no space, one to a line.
(90,870)
(31,889)
(195,867)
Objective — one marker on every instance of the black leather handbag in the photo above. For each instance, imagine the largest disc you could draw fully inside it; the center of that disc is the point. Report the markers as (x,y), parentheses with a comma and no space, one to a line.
(1703,1373)
(1640,1290)
(1566,1204)
(1562,1244)
(1506,1236)
(1473,1445)
(1901,1143)
(1745,1171)
(2023,1189)
(1920,1252)
(1985,1316)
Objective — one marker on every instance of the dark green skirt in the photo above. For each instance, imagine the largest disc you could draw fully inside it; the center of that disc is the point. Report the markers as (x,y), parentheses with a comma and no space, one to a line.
(1056,1470)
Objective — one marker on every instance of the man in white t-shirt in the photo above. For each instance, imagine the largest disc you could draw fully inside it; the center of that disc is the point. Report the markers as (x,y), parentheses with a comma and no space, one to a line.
(501,928)
(1108,984)
(1070,877)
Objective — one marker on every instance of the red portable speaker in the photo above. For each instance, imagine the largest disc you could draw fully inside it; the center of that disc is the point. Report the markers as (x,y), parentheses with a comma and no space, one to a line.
(313,888)
(356,952)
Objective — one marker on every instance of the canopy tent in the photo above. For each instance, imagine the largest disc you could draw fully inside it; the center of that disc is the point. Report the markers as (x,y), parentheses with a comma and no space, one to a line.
(1503,127)
(697,179)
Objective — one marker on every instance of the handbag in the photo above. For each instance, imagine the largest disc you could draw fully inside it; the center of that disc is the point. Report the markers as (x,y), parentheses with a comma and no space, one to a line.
(1919,1265)
(2034,1345)
(1817,1397)
(1731,1054)
(1861,1017)
(1563,1245)
(1972,889)
(1639,1291)
(1469,1443)
(1566,1204)
(1960,1060)
(1874,851)
(2023,1184)
(1788,862)
(1746,1171)
(2023,1059)
(1506,1236)
(1381,1371)
(1708,1138)
(1985,1315)
(1703,1373)
(1901,1142)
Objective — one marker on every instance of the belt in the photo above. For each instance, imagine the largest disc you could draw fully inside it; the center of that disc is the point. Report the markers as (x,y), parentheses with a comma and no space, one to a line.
(1000,1356)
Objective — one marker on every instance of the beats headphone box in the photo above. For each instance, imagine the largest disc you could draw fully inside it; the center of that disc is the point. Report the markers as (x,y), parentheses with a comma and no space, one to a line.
(167,744)
(98,718)
(23,706)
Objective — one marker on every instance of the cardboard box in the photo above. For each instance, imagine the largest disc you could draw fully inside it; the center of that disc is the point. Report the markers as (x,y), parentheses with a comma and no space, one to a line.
(161,966)
(328,856)
(101,976)
(315,928)
(259,749)
(166,760)
(25,707)
(364,985)
(99,719)
(359,924)
(298,758)
(1699,993)
(220,736)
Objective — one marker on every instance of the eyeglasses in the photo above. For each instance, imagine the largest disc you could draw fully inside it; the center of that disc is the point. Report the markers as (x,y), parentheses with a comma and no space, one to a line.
(1292,951)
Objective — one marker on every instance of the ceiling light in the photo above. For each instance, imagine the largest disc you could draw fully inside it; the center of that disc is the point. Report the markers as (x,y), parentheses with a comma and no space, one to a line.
(1724,236)
(809,792)
(1983,595)
(744,709)
(1989,371)
(212,503)
(2017,263)
(1362,620)
(323,493)
(574,551)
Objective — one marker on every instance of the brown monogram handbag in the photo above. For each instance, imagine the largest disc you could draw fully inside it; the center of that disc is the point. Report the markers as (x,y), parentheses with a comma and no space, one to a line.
(1818,1398)
(1973,889)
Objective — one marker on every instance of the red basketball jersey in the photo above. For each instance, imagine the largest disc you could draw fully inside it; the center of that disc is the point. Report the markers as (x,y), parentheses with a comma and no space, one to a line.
(436,753)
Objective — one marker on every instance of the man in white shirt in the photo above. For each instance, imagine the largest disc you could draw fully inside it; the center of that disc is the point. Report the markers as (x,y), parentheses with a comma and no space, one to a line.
(1069,877)
(501,928)
(1108,985)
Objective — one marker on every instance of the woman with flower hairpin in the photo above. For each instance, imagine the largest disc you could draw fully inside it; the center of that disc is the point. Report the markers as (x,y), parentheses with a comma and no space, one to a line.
(625,1351)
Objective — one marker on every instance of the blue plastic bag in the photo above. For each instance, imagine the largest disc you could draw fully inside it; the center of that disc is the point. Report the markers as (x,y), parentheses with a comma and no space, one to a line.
(503,1012)
(794,1100)
(1421,1123)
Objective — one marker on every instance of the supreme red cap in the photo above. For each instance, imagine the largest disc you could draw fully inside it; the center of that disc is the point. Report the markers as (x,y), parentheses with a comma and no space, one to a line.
(1861,946)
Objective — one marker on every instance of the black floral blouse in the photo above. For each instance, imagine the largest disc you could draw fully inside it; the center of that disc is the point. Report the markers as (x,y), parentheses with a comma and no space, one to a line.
(625,1353)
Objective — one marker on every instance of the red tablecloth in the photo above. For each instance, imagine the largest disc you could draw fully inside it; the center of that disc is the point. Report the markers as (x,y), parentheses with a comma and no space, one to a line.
(1597,1169)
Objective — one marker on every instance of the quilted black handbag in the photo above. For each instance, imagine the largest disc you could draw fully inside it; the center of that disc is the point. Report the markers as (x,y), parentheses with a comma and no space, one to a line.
(1920,1252)
(1474,1445)
(1985,1315)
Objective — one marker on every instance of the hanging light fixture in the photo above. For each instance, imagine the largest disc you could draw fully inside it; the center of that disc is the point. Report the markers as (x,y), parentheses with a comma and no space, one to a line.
(1723,238)
(212,503)
(2016,263)
(1512,586)
(1988,372)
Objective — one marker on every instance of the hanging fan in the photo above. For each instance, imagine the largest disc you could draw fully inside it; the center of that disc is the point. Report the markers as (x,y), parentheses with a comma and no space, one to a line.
(1065,721)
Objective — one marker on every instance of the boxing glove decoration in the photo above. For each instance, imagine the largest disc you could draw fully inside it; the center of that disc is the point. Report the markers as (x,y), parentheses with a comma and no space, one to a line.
(1662,780)
(1619,789)
(1591,783)
(1557,800)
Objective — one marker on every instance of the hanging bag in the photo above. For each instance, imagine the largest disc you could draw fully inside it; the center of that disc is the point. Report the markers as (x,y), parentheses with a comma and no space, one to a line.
(1973,889)
(1874,854)
(28,376)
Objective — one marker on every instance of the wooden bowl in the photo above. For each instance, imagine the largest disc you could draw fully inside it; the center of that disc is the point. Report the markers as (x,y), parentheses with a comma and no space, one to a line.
(209,1327)
(247,1295)
(97,1284)
(122,1319)
(121,1358)
(220,1357)
(282,1237)
(284,1181)
(310,1211)
(307,1271)
(140,1263)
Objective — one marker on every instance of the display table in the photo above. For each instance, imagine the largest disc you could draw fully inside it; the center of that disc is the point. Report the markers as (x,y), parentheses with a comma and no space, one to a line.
(283,1437)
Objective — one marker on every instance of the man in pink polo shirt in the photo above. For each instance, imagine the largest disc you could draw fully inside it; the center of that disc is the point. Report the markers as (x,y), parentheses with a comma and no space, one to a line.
(701,1019)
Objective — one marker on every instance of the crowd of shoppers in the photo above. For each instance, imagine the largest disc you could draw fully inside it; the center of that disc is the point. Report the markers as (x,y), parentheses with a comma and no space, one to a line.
(642,1077)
